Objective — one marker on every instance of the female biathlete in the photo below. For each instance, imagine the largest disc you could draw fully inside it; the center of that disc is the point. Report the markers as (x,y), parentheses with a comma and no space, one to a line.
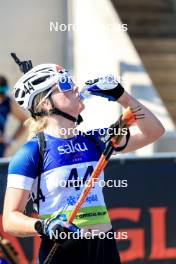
(54,102)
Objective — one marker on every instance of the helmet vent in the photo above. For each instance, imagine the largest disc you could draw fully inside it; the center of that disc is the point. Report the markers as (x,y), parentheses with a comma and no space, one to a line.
(40,80)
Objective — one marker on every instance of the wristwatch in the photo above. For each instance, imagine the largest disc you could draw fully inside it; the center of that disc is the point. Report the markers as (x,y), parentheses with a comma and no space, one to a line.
(39,227)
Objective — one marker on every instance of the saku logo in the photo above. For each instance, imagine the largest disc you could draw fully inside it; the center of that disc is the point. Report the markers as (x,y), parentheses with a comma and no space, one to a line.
(72,147)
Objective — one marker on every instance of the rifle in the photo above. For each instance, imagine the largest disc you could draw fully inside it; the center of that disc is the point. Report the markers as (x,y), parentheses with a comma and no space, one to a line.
(25,66)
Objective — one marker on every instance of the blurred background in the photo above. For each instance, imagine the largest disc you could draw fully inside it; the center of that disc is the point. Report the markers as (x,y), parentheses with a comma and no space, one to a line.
(134,40)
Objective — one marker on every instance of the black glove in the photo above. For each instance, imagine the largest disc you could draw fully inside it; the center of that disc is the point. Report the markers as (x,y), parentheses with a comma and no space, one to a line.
(57,228)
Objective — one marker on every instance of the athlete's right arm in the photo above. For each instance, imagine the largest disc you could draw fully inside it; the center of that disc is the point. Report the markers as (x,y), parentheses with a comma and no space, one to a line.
(22,172)
(15,222)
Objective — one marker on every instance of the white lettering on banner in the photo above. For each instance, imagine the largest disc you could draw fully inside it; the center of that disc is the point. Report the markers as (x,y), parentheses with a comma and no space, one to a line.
(72,148)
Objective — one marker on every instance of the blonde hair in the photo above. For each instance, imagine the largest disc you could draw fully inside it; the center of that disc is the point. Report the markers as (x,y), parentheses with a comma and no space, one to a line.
(39,123)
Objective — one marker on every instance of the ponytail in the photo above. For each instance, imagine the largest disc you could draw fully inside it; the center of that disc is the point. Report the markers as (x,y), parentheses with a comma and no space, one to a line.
(36,124)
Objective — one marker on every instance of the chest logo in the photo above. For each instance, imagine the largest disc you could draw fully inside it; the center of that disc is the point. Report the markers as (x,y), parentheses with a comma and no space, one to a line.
(70,147)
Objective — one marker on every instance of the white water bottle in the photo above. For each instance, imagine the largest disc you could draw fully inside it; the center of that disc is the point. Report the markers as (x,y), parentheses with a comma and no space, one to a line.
(84,93)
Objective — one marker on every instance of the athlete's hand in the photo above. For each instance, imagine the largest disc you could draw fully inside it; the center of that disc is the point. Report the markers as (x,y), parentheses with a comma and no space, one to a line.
(53,227)
(106,86)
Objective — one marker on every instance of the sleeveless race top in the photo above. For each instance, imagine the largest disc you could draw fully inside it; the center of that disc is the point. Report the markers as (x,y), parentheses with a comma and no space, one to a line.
(67,164)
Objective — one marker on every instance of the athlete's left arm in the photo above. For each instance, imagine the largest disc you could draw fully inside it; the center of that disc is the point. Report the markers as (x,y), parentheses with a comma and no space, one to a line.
(150,128)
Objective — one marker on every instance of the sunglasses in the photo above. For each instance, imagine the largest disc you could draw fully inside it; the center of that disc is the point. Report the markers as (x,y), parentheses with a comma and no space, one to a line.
(63,85)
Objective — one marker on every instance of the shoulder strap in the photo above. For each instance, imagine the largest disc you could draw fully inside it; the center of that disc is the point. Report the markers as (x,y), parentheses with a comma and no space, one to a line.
(42,147)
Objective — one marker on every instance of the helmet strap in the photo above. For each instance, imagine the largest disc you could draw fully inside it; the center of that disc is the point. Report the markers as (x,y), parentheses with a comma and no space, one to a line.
(56,111)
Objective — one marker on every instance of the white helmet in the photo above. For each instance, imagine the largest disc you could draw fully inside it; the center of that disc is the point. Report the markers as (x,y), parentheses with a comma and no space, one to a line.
(38,79)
